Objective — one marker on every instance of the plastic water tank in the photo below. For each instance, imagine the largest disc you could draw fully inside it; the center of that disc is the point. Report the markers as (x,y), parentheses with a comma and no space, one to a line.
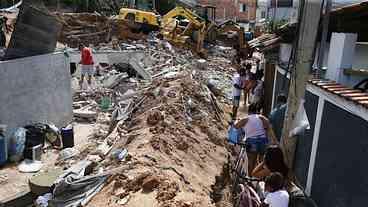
(3,146)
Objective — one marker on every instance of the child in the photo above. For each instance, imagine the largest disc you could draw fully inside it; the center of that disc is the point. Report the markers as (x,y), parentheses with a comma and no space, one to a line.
(277,196)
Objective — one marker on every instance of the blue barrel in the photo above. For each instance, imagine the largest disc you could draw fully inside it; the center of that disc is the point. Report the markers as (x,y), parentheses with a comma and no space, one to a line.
(3,150)
(248,36)
(67,136)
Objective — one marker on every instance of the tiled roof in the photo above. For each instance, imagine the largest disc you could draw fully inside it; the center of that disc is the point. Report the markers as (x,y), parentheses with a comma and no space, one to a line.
(354,95)
(265,42)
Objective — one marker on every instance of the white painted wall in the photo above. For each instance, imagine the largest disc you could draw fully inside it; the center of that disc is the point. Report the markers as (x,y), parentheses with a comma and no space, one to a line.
(342,49)
(285,52)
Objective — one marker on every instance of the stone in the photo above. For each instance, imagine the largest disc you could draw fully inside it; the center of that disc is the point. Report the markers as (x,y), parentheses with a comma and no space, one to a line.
(150,183)
(154,117)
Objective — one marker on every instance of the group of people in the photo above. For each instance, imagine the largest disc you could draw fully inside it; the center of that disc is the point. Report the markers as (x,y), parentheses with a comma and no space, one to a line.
(248,83)
(262,136)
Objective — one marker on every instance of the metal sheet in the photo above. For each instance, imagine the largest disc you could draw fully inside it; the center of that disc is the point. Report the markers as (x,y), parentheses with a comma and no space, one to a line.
(35,33)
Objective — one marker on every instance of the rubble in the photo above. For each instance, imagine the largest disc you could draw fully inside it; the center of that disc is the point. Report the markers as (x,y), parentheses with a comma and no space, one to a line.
(172,126)
(165,120)
(83,27)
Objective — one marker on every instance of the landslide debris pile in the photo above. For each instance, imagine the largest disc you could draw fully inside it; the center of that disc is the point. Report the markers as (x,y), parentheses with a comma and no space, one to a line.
(173,128)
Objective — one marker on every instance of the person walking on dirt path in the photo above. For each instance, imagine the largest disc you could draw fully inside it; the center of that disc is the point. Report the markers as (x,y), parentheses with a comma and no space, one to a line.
(3,30)
(87,64)
(247,82)
(238,86)
(277,115)
(258,135)
(256,93)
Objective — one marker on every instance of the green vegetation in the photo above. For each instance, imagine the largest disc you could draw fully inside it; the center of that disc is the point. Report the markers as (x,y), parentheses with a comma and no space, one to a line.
(273,26)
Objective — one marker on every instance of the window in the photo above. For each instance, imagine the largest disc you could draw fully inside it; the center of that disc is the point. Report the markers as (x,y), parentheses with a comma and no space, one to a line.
(263,14)
(281,3)
(242,7)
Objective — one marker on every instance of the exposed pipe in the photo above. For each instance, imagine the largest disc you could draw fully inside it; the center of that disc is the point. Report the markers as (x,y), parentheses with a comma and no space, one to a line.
(325,23)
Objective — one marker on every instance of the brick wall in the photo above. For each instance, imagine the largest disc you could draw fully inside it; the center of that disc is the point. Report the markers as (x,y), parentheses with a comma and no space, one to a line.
(228,9)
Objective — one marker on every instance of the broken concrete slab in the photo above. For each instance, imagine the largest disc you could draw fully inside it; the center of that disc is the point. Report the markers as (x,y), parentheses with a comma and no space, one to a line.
(137,59)
(140,70)
(114,80)
(133,58)
(86,114)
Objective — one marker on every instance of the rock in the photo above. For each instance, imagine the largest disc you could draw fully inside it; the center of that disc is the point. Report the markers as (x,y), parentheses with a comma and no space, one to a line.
(154,117)
(150,183)
(94,158)
(67,153)
(4,178)
(201,64)
(124,201)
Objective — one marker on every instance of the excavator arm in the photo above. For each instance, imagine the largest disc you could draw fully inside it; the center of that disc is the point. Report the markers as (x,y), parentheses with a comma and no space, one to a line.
(181,11)
(196,23)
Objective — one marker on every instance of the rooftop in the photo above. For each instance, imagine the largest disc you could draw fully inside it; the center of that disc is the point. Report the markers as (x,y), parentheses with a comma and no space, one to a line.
(350,94)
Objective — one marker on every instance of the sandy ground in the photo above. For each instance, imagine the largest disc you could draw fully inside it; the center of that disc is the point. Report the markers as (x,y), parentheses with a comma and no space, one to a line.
(17,182)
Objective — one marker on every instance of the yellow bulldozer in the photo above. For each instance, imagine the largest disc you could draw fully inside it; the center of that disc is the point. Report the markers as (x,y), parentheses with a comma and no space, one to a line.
(139,20)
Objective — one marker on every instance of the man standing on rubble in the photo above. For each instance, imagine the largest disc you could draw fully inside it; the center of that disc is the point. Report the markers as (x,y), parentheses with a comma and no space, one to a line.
(86,63)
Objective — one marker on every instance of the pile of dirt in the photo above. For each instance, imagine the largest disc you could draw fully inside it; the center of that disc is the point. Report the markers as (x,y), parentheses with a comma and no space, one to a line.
(87,28)
(179,150)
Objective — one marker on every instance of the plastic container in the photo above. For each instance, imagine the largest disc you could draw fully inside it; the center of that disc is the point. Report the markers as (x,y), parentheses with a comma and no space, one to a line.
(3,146)
(67,136)
(73,68)
(16,146)
(105,103)
(234,135)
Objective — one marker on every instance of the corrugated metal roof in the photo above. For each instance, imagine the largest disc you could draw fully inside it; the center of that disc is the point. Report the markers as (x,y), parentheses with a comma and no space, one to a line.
(349,9)
(354,95)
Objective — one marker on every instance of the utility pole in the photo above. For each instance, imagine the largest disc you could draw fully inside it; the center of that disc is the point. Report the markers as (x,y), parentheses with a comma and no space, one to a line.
(322,45)
(299,77)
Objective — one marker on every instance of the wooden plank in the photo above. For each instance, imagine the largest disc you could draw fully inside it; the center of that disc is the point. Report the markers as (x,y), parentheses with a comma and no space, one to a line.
(356,72)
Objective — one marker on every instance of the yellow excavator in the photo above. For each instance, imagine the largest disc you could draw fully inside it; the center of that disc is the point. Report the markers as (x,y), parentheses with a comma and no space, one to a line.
(184,27)
(232,34)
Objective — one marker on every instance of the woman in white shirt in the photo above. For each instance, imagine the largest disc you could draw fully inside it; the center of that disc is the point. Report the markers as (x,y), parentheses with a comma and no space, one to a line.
(258,131)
